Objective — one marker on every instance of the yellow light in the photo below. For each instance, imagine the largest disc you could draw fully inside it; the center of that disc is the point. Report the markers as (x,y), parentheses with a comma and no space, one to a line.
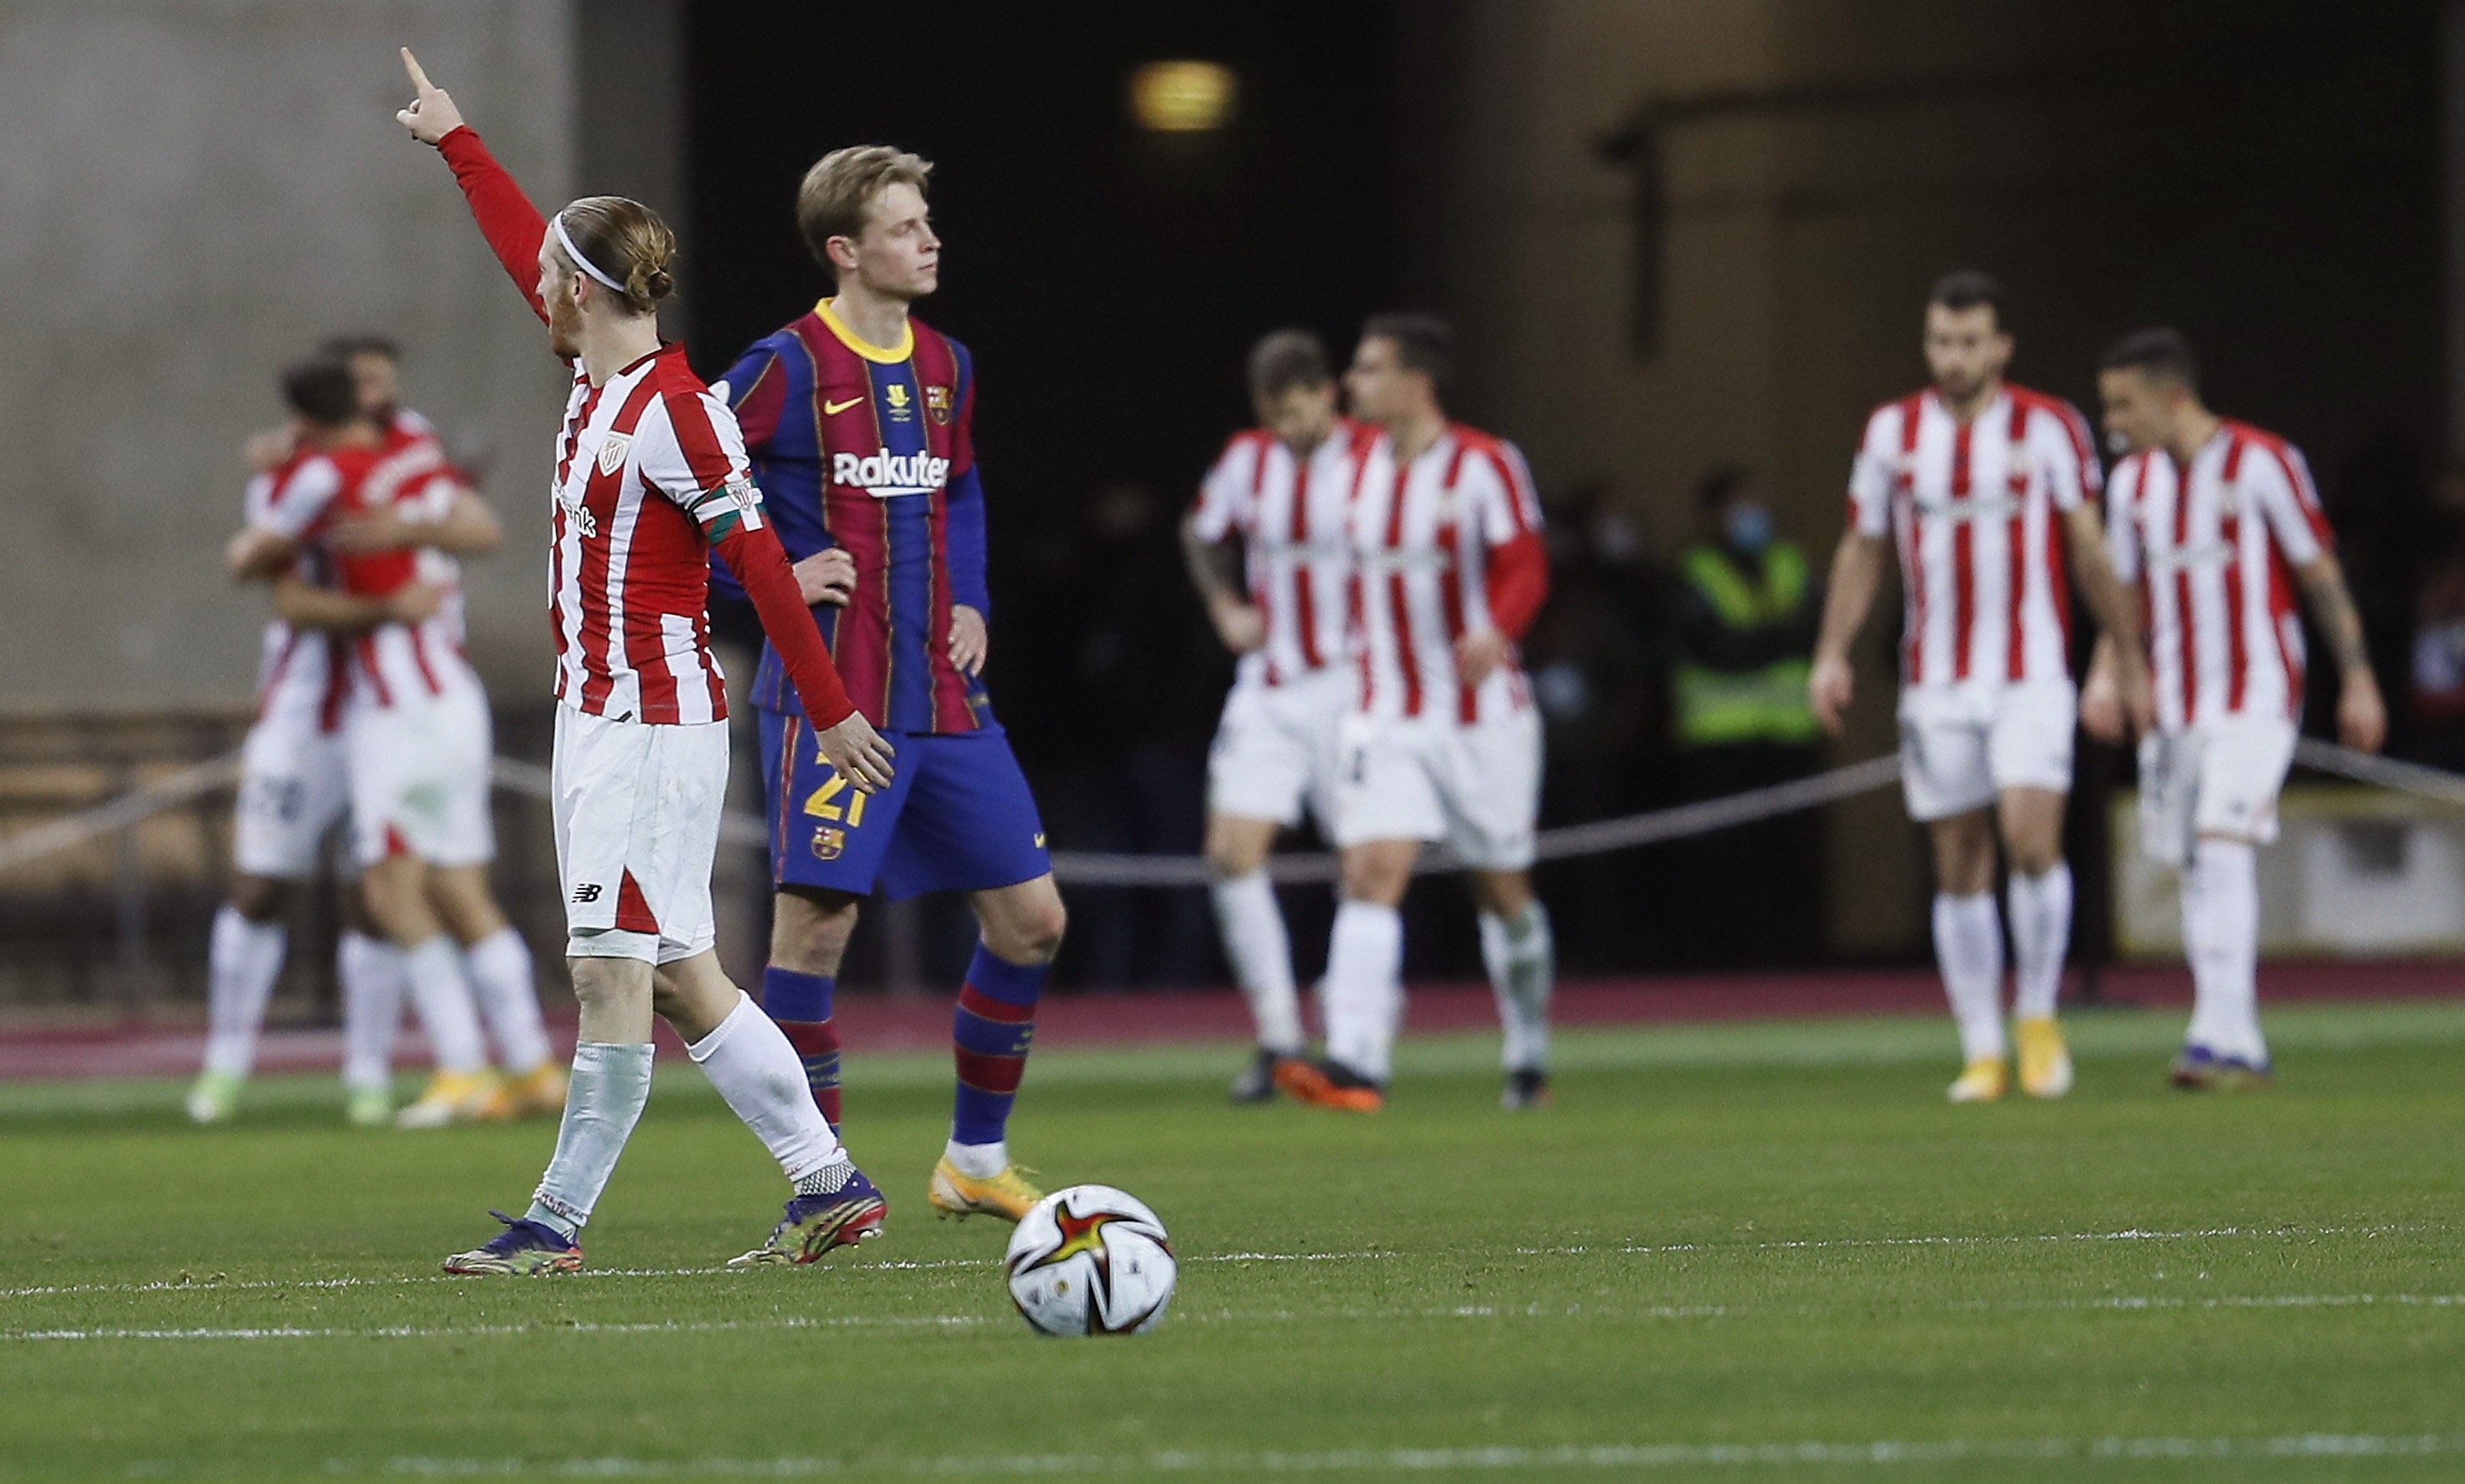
(1183,98)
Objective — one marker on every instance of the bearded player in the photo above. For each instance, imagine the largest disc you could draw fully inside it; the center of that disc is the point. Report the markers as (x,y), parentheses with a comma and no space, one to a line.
(1984,487)
(2218,523)
(1284,489)
(858,418)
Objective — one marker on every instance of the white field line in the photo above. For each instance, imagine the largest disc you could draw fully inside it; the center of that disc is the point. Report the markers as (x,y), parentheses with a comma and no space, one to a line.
(2018,1239)
(1455,1460)
(221,1285)
(946,1322)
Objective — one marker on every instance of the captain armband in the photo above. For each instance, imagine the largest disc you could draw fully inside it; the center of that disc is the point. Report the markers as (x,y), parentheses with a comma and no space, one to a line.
(730,507)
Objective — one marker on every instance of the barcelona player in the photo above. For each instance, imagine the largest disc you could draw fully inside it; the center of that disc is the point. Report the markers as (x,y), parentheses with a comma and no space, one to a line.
(858,418)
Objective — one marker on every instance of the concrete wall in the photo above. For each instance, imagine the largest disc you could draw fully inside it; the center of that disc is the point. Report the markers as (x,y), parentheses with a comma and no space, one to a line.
(1824,160)
(191,192)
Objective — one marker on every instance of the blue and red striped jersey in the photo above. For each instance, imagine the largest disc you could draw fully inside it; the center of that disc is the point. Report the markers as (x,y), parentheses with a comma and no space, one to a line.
(873,451)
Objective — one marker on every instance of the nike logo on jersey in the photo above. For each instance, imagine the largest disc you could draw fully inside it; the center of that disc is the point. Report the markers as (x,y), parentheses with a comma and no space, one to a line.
(834,409)
(885,474)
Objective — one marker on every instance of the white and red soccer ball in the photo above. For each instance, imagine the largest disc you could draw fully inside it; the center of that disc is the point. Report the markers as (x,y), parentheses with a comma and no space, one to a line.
(1091,1260)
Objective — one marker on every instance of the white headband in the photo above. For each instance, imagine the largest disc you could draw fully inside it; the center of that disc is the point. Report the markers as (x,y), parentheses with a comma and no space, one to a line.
(556,224)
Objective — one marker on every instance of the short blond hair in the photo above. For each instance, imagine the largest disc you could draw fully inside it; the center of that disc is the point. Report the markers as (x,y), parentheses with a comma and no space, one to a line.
(840,189)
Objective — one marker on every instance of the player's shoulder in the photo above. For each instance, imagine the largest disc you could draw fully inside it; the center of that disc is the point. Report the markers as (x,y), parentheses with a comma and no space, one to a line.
(2258,437)
(1245,444)
(1891,414)
(2128,471)
(936,352)
(1478,449)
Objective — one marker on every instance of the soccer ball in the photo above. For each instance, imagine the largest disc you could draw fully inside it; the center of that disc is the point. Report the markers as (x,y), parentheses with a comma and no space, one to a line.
(1091,1260)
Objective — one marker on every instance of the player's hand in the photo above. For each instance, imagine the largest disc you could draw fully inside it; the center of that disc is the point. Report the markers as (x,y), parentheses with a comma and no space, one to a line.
(1480,653)
(2362,717)
(857,752)
(1240,625)
(2139,697)
(269,449)
(253,554)
(2100,707)
(375,530)
(414,602)
(431,113)
(827,577)
(1829,687)
(969,639)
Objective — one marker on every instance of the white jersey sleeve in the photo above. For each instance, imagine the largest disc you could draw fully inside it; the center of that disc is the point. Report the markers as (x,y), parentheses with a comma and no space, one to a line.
(2121,524)
(1870,473)
(2072,474)
(1500,499)
(690,450)
(1224,496)
(298,499)
(2277,479)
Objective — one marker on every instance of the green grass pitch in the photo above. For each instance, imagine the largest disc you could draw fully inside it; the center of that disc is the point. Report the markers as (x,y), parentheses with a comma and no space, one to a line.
(1759,1252)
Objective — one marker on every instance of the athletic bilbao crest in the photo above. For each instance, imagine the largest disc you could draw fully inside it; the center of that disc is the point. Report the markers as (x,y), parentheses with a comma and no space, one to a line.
(612,451)
(936,405)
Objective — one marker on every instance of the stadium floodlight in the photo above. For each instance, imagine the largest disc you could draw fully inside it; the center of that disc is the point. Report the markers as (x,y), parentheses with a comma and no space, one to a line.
(1183,96)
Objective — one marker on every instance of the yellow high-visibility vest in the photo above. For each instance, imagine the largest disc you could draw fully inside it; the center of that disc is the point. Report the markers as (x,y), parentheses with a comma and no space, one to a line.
(1719,707)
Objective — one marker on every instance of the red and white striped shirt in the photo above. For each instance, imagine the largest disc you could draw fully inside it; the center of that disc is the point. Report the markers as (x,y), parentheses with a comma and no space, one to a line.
(1430,541)
(1291,513)
(642,463)
(1973,508)
(310,668)
(2214,556)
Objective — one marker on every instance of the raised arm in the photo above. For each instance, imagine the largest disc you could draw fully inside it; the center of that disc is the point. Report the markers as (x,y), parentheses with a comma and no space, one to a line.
(513,227)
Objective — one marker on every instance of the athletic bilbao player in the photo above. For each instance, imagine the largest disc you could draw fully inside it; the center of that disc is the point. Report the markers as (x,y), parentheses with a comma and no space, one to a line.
(1284,490)
(859,419)
(1442,742)
(294,785)
(649,474)
(1985,488)
(2218,523)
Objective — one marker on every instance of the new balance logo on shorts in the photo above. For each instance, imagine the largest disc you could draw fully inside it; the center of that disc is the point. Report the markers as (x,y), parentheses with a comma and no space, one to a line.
(587,892)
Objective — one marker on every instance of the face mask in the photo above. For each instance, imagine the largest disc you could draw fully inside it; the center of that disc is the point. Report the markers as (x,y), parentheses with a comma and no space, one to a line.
(1750,529)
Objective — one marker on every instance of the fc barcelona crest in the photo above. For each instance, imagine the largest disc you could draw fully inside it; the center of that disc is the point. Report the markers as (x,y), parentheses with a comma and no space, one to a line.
(828,844)
(936,405)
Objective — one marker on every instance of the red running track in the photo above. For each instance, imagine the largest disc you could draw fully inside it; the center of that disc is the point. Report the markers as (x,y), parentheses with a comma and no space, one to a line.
(871,1023)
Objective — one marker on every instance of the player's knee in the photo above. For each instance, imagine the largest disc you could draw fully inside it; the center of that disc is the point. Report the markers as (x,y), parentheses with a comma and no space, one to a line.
(810,930)
(1038,938)
(2033,857)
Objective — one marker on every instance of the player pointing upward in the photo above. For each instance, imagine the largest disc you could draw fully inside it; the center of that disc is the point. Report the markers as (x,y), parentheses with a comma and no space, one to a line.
(649,476)
(1983,486)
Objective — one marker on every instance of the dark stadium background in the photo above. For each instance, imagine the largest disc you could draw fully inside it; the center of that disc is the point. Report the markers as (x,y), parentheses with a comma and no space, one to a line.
(2263,175)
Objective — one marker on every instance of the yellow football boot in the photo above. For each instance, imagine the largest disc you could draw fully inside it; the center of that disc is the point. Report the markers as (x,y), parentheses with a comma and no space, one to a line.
(2045,1062)
(1007,1195)
(1982,1080)
(540,1091)
(450,1098)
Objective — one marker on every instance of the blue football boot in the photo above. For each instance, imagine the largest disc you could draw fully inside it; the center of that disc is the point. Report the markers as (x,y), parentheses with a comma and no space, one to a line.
(523,1248)
(815,1224)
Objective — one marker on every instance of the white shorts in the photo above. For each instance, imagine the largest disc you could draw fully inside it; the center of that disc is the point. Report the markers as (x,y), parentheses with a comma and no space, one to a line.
(636,810)
(1961,746)
(2218,779)
(1275,749)
(1476,788)
(419,779)
(293,788)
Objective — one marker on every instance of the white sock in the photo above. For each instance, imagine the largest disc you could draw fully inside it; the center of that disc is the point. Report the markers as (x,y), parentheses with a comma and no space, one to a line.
(508,995)
(1364,988)
(442,996)
(603,1101)
(2041,934)
(1968,947)
(373,976)
(1262,958)
(2221,936)
(977,1161)
(747,1057)
(242,961)
(1522,962)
